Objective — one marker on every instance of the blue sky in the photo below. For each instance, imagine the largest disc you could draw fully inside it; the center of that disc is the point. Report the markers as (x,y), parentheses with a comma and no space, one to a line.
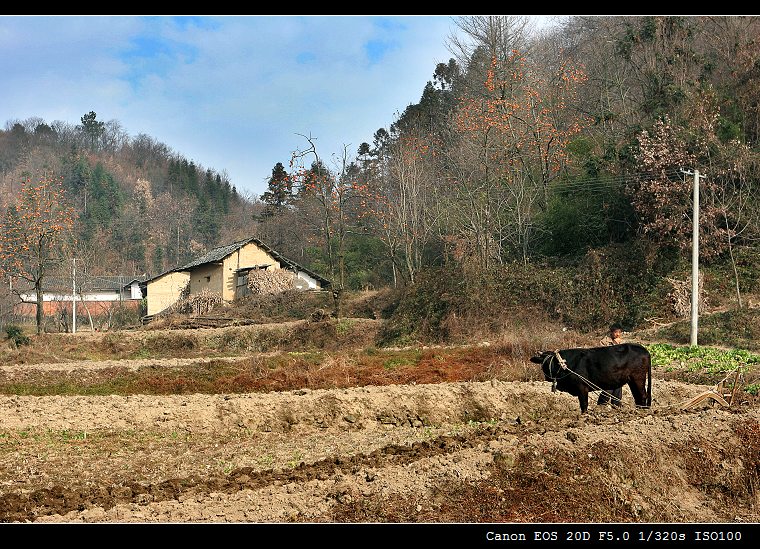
(230,92)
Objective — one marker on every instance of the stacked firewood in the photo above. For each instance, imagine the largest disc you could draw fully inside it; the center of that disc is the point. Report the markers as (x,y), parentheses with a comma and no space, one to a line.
(680,296)
(267,282)
(199,303)
(203,301)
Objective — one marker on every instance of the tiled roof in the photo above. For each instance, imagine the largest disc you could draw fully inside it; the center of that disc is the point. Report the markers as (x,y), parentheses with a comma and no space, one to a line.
(290,263)
(218,254)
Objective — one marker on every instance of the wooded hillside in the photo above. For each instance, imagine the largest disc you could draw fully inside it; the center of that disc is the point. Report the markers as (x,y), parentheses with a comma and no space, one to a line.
(551,169)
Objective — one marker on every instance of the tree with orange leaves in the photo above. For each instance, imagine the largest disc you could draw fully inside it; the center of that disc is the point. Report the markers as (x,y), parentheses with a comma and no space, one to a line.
(33,235)
(330,203)
(515,130)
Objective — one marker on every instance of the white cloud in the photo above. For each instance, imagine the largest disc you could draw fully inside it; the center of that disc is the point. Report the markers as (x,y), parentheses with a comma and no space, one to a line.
(229,93)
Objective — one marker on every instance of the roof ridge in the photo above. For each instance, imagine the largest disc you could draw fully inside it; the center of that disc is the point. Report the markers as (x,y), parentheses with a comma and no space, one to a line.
(220,252)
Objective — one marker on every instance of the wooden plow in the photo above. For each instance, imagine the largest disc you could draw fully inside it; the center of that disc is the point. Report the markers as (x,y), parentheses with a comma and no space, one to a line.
(723,393)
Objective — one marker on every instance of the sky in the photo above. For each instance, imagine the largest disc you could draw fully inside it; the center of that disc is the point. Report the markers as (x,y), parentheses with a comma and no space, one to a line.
(231,93)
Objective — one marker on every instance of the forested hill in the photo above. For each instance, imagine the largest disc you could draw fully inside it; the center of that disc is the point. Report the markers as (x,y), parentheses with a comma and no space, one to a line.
(548,168)
(142,208)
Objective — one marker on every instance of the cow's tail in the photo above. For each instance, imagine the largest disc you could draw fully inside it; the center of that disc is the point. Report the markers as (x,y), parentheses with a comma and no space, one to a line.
(649,380)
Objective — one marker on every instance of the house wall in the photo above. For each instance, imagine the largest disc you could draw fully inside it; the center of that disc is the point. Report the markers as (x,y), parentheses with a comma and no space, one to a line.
(165,290)
(95,308)
(134,291)
(247,256)
(305,282)
(219,278)
(206,277)
(103,295)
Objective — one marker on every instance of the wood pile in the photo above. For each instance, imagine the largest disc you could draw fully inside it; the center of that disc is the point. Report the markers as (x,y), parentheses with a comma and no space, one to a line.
(267,282)
(680,296)
(211,322)
(197,304)
(204,301)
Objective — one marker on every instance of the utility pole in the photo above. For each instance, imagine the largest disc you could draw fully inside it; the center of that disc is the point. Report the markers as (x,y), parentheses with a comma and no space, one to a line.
(74,298)
(695,259)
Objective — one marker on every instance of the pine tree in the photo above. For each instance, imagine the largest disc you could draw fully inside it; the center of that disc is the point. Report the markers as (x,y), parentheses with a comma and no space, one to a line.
(92,128)
(280,192)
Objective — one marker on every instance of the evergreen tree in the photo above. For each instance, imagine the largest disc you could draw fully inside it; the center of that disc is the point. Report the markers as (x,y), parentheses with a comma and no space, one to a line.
(206,222)
(93,129)
(158,259)
(280,192)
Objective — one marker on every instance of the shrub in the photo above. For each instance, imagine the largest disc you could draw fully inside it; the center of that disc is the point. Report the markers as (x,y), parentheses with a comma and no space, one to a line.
(16,335)
(605,285)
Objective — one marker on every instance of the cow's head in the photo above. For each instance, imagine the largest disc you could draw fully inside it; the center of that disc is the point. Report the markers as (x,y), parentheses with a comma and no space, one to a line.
(545,359)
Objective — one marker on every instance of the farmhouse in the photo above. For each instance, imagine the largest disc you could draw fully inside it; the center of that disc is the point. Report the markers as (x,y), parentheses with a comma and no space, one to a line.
(224,271)
(95,294)
(165,289)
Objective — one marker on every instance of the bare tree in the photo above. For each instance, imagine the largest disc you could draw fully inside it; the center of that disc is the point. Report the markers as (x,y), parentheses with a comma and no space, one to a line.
(329,199)
(499,35)
(404,203)
(114,137)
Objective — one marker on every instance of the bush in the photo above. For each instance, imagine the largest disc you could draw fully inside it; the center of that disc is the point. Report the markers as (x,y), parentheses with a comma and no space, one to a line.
(605,285)
(16,335)
(739,328)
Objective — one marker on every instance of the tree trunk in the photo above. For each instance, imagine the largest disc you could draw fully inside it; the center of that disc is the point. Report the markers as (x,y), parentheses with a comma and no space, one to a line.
(40,305)
(89,316)
(338,302)
(736,274)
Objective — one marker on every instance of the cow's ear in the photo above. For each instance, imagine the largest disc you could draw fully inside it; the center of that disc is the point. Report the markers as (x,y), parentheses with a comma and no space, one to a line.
(536,359)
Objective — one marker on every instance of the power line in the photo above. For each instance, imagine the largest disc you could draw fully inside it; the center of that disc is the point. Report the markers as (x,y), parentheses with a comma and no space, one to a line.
(596,182)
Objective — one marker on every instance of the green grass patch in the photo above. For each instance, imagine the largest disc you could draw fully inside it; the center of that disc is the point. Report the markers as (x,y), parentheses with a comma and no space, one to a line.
(141,353)
(403,359)
(344,326)
(701,358)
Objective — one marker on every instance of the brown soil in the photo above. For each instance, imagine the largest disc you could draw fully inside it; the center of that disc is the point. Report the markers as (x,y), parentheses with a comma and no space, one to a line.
(461,437)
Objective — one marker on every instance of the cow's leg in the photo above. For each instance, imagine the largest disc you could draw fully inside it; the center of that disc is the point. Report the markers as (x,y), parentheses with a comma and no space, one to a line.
(604,397)
(639,392)
(583,399)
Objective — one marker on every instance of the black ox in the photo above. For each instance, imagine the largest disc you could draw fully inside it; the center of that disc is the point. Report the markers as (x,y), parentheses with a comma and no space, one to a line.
(595,368)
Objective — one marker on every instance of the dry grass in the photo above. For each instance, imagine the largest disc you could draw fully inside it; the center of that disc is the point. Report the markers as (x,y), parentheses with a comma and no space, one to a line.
(283,371)
(210,342)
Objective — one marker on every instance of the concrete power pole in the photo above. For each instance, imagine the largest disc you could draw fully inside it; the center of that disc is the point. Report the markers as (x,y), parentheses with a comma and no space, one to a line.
(74,298)
(695,259)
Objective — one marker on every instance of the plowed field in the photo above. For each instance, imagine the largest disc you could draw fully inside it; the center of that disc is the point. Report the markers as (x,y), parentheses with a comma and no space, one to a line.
(468,441)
